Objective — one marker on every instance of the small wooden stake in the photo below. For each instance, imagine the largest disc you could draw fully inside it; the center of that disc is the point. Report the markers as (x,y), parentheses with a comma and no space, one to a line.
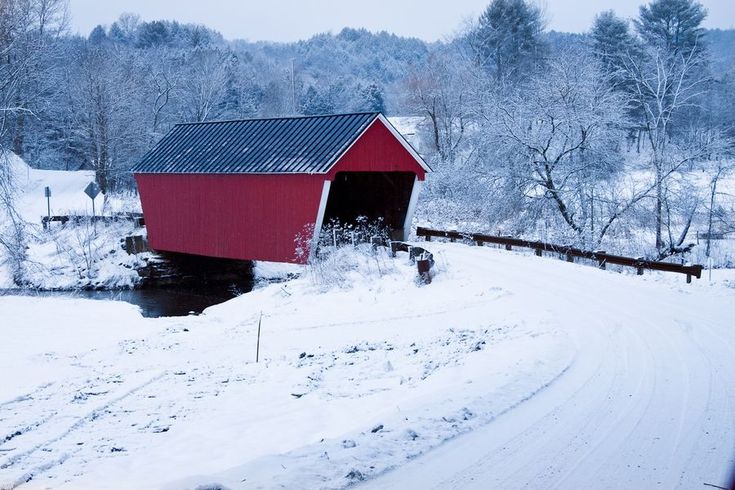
(257,347)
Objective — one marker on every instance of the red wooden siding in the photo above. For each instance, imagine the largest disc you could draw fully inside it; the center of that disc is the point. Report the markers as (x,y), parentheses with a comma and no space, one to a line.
(247,217)
(377,150)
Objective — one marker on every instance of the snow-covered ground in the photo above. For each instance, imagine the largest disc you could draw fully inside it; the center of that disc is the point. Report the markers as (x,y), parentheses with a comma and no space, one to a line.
(69,257)
(508,371)
(67,191)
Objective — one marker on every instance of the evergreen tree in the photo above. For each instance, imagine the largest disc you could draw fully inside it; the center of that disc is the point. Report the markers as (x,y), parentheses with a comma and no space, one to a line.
(370,99)
(508,41)
(316,102)
(612,42)
(152,34)
(673,26)
(98,35)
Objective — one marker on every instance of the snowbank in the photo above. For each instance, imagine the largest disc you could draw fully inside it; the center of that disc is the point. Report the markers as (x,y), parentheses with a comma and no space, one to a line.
(275,271)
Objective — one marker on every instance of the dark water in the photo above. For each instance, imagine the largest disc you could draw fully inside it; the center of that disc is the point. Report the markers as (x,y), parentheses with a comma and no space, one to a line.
(152,302)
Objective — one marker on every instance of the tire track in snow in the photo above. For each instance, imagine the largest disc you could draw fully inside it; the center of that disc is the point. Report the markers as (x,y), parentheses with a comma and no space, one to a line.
(22,456)
(27,396)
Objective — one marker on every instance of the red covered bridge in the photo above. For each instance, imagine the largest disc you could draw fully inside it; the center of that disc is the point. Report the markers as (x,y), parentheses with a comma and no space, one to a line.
(257,189)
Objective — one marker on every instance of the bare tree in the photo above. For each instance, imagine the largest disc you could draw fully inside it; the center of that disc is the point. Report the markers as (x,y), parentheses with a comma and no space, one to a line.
(560,137)
(203,88)
(439,90)
(26,27)
(721,168)
(664,84)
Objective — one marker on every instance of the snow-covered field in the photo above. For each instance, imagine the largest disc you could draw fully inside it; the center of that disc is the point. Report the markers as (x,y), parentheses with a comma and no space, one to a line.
(508,371)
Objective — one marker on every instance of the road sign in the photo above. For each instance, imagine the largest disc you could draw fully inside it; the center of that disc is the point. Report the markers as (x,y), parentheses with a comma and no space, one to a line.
(47,191)
(92,190)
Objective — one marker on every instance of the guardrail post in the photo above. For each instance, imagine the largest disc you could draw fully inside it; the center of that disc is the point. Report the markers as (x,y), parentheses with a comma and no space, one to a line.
(538,252)
(393,247)
(639,266)
(424,265)
(689,278)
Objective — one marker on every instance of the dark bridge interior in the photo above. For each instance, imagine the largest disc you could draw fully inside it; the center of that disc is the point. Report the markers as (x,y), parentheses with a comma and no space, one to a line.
(371,194)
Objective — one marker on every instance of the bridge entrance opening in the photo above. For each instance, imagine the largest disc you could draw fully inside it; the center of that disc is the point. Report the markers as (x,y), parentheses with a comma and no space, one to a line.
(373,196)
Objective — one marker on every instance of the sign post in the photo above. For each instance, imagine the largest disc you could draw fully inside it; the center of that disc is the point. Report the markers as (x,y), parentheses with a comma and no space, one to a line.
(47,193)
(92,190)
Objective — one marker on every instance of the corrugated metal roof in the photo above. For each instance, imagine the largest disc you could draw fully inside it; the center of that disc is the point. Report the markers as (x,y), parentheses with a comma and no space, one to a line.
(308,144)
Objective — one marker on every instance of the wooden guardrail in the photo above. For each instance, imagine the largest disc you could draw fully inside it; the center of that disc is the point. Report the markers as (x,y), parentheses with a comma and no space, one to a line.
(603,258)
(136,218)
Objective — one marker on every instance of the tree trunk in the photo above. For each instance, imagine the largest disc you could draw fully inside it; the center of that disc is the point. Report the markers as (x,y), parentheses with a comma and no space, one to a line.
(18,137)
(711,213)
(659,208)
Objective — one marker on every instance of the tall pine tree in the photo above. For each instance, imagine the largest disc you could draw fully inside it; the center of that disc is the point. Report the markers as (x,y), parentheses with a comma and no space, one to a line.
(508,41)
(673,26)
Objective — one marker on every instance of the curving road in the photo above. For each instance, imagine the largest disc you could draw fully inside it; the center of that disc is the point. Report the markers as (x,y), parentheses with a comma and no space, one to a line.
(649,401)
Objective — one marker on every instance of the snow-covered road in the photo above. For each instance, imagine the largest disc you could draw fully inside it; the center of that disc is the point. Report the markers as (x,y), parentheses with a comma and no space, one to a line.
(648,403)
(508,371)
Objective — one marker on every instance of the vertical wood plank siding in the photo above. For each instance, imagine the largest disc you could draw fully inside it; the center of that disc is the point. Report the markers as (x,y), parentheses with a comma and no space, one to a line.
(377,150)
(247,217)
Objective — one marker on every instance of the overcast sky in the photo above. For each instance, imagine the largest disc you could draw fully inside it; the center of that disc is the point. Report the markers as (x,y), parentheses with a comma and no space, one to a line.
(289,20)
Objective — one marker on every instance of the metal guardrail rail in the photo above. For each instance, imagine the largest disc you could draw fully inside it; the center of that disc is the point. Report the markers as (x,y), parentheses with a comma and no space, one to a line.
(603,258)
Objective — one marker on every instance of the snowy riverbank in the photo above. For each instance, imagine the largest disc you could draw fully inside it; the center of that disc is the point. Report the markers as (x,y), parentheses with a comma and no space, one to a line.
(79,256)
(351,381)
